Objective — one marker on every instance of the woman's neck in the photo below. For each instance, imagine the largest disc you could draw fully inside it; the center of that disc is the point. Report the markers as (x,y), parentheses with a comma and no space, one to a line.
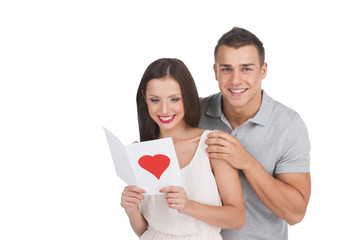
(178,133)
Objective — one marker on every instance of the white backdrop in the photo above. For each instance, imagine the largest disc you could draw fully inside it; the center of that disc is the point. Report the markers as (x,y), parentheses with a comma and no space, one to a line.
(69,67)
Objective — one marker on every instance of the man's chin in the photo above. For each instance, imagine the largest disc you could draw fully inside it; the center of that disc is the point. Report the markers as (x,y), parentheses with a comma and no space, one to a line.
(235,101)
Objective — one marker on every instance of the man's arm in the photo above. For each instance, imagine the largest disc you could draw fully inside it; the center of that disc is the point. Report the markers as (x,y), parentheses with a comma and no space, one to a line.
(287,195)
(230,215)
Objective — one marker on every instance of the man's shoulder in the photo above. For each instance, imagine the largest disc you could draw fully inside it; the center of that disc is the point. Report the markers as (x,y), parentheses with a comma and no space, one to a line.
(286,116)
(211,103)
(209,99)
(274,113)
(284,110)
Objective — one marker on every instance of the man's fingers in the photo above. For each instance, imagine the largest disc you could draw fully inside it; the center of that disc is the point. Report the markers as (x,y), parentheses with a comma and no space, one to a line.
(217,141)
(218,156)
(220,138)
(217,149)
(220,134)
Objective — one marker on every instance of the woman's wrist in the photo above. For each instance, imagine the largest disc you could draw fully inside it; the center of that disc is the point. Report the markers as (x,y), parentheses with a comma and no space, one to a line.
(188,208)
(133,212)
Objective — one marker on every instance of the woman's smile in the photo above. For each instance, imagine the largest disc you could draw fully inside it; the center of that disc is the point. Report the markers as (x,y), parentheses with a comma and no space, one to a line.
(166,119)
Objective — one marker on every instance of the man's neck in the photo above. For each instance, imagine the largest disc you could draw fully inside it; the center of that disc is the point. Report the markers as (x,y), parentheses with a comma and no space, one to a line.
(238,116)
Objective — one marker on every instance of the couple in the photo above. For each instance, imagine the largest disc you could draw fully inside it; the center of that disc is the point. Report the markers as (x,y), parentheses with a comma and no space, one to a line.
(249,179)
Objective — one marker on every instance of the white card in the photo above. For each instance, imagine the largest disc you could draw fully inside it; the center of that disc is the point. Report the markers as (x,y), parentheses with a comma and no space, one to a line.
(150,165)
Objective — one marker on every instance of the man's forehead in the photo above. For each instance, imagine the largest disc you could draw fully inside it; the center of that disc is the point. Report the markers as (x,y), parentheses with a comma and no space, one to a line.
(245,55)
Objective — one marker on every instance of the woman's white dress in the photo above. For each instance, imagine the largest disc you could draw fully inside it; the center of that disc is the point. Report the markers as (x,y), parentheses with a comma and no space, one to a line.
(199,183)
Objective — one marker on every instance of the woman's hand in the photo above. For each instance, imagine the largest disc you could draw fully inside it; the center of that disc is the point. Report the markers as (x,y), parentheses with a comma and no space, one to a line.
(131,198)
(176,198)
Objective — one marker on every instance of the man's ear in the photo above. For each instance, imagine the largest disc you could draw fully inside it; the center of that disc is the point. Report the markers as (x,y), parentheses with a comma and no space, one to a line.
(263,70)
(215,72)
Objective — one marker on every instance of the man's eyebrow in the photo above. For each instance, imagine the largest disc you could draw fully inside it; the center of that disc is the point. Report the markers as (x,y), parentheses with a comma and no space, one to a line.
(224,65)
(242,65)
(247,64)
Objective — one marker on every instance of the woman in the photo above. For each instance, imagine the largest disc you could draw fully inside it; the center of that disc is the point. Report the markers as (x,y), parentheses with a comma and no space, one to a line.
(211,197)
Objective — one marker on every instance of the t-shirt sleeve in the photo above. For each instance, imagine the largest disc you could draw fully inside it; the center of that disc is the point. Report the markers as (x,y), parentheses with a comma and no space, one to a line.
(295,157)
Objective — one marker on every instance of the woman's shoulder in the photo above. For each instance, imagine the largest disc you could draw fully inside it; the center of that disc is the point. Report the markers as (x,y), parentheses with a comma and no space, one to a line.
(200,132)
(196,133)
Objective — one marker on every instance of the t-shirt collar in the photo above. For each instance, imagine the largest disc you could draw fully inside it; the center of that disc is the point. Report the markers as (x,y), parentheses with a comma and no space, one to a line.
(262,117)
(214,108)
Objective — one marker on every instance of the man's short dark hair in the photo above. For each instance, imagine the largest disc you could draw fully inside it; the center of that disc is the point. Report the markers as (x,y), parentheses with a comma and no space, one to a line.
(239,37)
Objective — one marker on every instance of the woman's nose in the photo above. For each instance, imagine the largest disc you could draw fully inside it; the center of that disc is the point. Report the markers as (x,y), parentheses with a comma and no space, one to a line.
(164,108)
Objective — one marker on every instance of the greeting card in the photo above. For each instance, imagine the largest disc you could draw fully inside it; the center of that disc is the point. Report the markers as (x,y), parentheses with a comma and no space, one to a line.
(150,165)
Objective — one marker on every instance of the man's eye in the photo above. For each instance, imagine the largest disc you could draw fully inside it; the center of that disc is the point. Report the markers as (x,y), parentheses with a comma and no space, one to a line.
(247,69)
(226,69)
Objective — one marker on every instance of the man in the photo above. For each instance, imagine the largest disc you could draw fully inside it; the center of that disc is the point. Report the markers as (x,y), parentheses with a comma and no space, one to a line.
(264,139)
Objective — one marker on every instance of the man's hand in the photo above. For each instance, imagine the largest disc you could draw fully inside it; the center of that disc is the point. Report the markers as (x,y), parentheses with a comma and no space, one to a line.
(225,147)
(287,195)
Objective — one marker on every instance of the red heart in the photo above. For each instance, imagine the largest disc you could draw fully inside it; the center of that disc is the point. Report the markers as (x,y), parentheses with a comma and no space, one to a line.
(156,164)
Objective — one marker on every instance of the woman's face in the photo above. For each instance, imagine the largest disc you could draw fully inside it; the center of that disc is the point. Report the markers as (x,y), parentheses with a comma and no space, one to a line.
(165,103)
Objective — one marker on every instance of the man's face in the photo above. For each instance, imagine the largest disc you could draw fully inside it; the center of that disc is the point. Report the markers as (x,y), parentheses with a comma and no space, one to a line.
(239,74)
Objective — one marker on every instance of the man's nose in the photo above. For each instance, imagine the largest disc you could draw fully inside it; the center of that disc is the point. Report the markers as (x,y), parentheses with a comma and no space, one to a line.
(236,78)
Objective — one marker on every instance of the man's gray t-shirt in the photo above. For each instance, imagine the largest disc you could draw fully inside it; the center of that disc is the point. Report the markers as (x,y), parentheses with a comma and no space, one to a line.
(277,138)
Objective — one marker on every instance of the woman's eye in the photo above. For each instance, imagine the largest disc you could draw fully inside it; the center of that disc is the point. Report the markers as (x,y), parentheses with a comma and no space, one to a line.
(175,99)
(154,100)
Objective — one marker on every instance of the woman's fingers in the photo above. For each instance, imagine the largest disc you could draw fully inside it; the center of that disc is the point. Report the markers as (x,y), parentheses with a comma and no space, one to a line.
(131,197)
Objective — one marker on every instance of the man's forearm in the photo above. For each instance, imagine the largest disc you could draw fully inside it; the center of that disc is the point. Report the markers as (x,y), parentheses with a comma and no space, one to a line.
(287,200)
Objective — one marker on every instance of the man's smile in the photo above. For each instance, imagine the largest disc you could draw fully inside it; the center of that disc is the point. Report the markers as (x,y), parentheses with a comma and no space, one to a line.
(236,92)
